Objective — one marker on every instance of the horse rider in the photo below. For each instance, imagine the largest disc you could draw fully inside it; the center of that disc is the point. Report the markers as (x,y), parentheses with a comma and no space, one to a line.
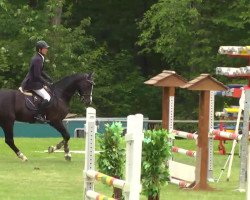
(36,79)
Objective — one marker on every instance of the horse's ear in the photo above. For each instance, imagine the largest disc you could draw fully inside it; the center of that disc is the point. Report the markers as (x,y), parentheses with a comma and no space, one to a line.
(90,75)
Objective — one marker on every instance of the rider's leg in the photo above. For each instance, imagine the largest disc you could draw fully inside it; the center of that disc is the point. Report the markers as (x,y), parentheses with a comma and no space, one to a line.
(43,93)
(46,98)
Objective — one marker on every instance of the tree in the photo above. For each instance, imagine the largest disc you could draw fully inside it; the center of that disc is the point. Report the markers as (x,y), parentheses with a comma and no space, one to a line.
(120,90)
(72,49)
(188,33)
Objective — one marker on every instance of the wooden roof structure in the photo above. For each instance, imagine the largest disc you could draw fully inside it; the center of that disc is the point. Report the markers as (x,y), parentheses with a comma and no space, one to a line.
(205,82)
(166,79)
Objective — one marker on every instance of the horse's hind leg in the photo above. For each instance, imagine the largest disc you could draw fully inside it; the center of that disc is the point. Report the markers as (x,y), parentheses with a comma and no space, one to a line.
(9,139)
(60,127)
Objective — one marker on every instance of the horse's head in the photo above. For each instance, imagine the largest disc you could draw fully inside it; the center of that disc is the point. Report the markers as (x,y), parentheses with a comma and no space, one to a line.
(85,88)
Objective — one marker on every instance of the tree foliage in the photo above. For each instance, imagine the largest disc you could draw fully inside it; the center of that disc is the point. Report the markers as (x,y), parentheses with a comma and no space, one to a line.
(72,50)
(188,33)
(124,43)
(66,55)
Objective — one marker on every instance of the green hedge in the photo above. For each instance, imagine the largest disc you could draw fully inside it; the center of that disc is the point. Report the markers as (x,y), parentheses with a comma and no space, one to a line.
(156,151)
(112,157)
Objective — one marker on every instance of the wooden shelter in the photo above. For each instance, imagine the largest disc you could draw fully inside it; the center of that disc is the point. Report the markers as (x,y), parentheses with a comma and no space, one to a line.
(168,80)
(204,83)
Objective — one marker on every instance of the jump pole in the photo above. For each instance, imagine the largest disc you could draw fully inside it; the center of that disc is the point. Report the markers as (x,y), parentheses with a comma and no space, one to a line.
(244,158)
(91,129)
(245,137)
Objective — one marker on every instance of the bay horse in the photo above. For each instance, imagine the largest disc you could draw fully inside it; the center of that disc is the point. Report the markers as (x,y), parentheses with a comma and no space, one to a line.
(13,108)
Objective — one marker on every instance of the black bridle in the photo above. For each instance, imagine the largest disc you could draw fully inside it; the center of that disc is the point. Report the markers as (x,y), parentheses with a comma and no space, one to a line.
(82,96)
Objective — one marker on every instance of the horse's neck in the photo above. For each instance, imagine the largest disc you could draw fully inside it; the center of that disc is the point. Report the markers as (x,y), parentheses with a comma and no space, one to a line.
(65,89)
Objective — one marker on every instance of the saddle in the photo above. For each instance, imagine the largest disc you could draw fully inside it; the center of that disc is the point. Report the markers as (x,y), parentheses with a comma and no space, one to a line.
(32,100)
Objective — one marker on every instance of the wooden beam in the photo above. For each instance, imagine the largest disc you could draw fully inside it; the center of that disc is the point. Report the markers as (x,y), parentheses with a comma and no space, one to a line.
(202,148)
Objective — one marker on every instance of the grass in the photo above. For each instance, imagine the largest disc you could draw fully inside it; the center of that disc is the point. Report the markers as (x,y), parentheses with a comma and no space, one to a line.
(50,177)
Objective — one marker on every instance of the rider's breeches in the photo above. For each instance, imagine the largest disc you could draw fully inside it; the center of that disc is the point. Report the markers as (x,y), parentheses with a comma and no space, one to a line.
(43,93)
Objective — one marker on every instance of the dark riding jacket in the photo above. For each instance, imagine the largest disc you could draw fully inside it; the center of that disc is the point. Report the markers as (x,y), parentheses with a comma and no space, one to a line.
(36,78)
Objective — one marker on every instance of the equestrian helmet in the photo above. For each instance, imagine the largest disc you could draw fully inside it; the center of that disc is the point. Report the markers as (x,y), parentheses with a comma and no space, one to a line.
(41,45)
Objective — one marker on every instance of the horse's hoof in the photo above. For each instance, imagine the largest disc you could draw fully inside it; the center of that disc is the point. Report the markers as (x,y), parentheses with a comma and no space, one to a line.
(67,157)
(22,157)
(51,149)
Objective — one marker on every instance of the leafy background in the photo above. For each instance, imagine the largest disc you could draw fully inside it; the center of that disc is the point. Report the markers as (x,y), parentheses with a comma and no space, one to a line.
(124,43)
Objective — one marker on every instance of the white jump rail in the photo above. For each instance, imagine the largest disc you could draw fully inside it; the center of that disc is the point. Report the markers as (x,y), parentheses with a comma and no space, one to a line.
(225,134)
(182,151)
(117,183)
(184,134)
(181,183)
(95,195)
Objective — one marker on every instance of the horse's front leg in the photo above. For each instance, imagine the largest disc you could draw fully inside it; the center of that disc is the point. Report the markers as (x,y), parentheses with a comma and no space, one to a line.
(65,134)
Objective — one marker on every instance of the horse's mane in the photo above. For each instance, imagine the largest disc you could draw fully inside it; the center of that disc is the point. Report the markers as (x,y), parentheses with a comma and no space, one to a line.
(68,80)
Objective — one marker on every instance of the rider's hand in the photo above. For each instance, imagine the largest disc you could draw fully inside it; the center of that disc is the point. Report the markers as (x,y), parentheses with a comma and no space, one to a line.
(49,84)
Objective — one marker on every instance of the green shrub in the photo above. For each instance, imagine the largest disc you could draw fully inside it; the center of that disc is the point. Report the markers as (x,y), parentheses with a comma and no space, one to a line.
(111,160)
(155,153)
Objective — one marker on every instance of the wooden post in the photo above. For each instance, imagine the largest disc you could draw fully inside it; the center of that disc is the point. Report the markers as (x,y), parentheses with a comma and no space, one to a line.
(202,148)
(204,83)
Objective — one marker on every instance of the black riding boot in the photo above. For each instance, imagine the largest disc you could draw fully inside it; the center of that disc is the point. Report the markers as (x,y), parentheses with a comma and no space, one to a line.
(40,117)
